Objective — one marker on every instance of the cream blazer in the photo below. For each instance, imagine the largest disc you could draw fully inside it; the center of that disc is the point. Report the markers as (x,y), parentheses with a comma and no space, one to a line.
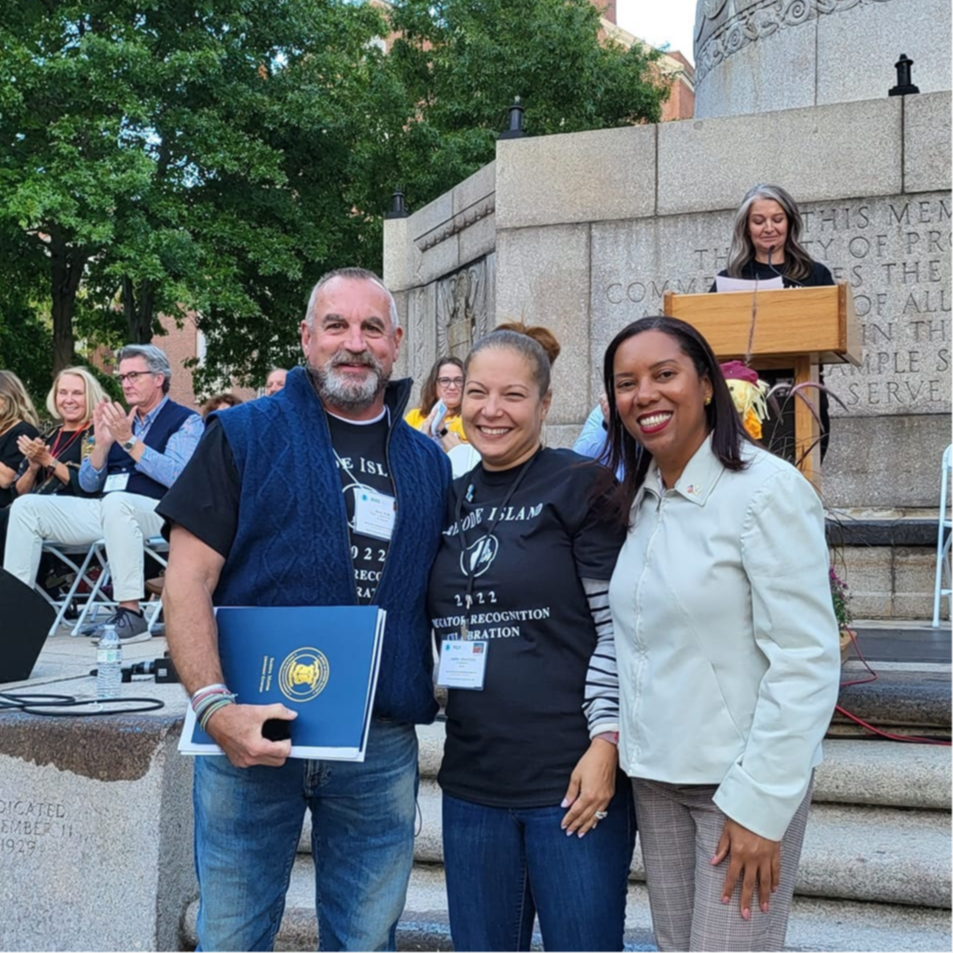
(727,643)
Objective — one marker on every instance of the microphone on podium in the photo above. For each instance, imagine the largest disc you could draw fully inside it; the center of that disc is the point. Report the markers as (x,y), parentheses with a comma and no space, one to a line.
(780,274)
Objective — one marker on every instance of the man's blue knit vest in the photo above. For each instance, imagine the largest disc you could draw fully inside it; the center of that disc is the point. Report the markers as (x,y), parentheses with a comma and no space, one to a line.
(292,547)
(167,422)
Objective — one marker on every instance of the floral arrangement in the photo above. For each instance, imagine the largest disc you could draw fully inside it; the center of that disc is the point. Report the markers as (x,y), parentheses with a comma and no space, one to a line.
(748,394)
(840,596)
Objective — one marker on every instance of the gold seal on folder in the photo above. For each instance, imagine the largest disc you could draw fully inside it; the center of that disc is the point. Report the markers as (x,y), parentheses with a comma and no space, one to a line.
(303,675)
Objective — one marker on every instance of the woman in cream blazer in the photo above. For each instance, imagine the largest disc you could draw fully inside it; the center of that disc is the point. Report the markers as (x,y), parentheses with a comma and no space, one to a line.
(726,639)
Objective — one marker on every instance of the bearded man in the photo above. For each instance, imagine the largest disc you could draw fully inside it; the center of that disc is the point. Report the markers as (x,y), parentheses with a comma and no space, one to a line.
(265,515)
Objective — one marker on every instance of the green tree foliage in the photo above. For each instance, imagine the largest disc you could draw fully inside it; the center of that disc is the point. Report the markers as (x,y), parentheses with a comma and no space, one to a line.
(463,62)
(184,157)
(209,159)
(26,338)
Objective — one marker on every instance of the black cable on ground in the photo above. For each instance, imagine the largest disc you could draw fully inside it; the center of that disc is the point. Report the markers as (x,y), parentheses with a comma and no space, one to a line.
(41,704)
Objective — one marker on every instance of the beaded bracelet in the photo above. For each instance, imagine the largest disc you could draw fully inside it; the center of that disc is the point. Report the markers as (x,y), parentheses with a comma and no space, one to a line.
(222,701)
(216,686)
(208,700)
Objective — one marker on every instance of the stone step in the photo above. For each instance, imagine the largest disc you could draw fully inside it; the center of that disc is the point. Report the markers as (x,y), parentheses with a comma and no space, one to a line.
(907,698)
(869,771)
(815,924)
(854,771)
(881,855)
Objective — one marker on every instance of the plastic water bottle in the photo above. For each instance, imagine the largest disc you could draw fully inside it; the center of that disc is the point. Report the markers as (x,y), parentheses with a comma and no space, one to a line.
(109,664)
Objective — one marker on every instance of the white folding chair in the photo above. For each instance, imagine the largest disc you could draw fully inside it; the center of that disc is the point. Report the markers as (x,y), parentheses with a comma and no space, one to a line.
(158,549)
(97,598)
(79,560)
(944,536)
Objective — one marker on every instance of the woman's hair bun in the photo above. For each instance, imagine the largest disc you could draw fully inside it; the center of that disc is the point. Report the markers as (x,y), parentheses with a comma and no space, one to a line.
(541,335)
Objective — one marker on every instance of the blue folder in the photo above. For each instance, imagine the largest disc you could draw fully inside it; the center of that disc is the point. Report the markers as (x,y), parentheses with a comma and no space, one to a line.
(321,661)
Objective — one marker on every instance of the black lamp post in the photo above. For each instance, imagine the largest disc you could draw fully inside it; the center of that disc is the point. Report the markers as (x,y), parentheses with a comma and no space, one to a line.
(515,130)
(398,208)
(904,85)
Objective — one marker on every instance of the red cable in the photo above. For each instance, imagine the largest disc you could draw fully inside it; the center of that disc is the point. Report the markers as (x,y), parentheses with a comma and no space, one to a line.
(910,739)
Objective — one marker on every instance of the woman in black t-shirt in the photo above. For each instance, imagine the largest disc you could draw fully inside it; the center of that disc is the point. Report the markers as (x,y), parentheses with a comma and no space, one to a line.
(533,822)
(765,244)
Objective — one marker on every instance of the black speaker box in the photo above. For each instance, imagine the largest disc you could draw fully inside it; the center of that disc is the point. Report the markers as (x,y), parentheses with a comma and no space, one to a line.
(25,619)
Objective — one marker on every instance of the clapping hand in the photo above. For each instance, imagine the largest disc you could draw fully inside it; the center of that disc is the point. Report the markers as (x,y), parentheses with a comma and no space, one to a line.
(102,436)
(117,420)
(36,451)
(111,423)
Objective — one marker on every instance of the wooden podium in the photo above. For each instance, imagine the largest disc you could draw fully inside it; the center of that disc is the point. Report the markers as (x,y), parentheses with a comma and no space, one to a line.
(799,328)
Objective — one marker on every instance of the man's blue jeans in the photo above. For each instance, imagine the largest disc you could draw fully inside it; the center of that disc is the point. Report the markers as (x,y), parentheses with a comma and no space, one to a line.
(247,826)
(504,866)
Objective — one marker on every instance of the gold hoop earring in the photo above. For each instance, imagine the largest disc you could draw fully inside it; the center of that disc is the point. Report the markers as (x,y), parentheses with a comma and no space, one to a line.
(707,400)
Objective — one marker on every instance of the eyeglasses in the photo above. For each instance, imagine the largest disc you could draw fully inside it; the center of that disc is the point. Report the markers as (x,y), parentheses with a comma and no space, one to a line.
(132,376)
(456,382)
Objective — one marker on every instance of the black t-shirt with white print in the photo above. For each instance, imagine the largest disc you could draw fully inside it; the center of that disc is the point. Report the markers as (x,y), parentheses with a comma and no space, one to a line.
(516,742)
(360,452)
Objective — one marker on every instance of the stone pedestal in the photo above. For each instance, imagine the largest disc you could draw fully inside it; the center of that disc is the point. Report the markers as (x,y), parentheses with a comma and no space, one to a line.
(95,832)
(754,56)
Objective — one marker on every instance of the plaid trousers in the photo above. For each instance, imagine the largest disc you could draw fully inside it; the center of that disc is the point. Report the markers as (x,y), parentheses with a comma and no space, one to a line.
(679,827)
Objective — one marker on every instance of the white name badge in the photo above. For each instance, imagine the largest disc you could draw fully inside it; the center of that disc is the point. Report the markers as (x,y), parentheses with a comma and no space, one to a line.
(116,481)
(462,664)
(374,514)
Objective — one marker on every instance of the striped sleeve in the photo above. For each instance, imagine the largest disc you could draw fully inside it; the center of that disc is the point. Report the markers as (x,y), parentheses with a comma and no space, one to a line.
(601,703)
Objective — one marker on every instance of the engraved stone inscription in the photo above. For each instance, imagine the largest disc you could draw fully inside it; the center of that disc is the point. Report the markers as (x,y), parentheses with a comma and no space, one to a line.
(28,826)
(893,252)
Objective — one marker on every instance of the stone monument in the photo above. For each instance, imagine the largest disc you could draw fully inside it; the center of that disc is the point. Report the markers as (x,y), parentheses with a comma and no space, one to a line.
(585,232)
(753,56)
(95,825)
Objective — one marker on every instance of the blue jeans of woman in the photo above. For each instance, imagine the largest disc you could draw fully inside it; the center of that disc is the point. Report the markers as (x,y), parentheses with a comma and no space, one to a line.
(505,866)
(247,826)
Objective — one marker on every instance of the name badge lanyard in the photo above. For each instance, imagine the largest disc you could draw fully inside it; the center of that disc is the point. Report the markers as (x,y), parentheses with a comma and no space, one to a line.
(471,578)
(345,467)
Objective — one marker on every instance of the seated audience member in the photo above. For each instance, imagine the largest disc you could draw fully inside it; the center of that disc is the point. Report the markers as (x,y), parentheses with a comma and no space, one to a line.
(156,585)
(441,395)
(218,401)
(17,419)
(136,457)
(274,382)
(51,464)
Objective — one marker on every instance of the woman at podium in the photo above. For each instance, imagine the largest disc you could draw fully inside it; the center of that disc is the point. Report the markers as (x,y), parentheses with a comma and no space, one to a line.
(726,639)
(766,242)
(766,245)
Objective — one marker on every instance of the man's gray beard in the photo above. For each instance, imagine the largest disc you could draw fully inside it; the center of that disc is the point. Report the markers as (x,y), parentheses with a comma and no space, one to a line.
(345,394)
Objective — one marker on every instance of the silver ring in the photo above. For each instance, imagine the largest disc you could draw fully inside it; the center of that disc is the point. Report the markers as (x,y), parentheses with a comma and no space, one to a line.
(601,815)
